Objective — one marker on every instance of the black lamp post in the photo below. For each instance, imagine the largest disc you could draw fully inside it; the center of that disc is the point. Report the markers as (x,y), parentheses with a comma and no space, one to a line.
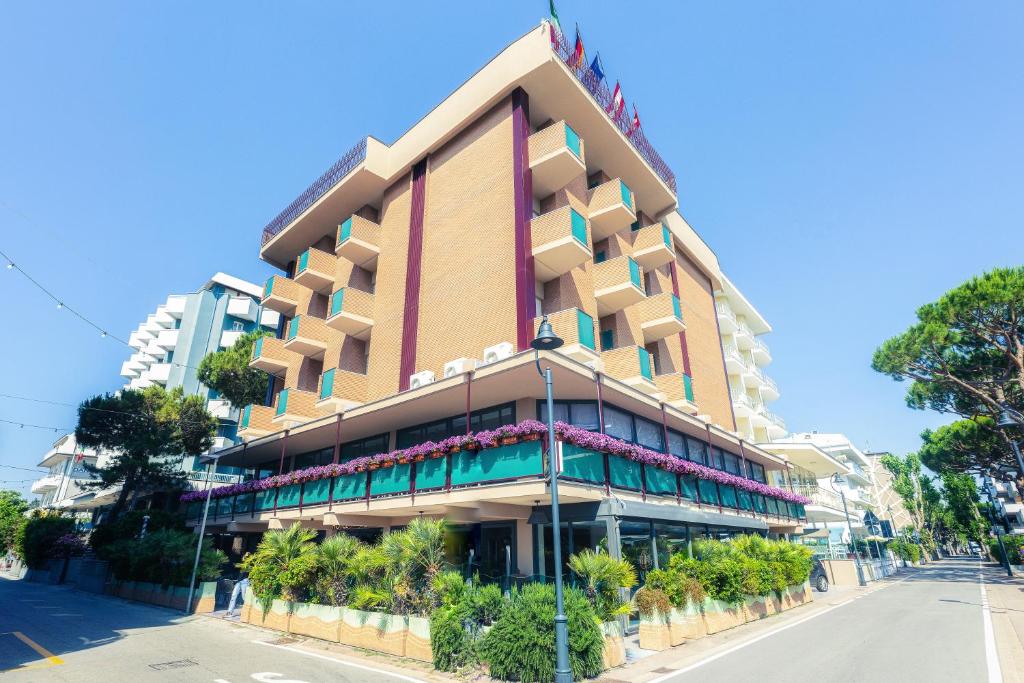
(547,340)
(995,528)
(1009,417)
(835,481)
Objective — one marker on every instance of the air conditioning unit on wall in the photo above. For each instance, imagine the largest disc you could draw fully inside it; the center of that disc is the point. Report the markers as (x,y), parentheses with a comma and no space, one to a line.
(421,379)
(459,366)
(492,354)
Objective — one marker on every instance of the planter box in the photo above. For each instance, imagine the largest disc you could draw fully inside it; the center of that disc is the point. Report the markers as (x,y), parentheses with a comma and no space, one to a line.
(316,621)
(613,653)
(773,601)
(654,632)
(205,597)
(417,640)
(126,589)
(686,624)
(374,631)
(247,599)
(276,618)
(720,616)
(754,608)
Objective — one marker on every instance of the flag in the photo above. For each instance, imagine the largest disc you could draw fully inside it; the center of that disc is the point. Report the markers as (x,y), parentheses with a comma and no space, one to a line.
(595,66)
(617,104)
(636,121)
(554,17)
(579,57)
(79,456)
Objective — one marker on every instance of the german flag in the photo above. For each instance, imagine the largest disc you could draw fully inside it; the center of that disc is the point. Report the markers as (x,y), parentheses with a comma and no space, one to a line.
(579,57)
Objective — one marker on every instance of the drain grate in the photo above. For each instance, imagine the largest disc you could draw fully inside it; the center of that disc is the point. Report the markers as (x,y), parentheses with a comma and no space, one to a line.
(177,664)
(283,641)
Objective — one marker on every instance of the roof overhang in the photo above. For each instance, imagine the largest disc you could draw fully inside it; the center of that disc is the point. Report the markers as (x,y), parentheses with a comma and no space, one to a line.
(807,456)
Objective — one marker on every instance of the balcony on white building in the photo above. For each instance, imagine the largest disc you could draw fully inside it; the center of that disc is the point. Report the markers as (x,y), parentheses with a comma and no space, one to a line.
(157,373)
(270,319)
(243,308)
(175,305)
(167,339)
(229,337)
(220,408)
(48,483)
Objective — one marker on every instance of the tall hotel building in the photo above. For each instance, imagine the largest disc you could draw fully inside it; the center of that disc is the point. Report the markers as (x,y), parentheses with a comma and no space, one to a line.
(415,275)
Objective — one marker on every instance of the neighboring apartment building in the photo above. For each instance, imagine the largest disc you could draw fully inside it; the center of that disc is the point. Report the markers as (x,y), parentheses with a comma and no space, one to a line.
(415,277)
(746,356)
(1008,504)
(61,488)
(888,504)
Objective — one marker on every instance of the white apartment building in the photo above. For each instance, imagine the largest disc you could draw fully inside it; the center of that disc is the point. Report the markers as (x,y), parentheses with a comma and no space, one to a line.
(746,356)
(1008,504)
(61,488)
(888,504)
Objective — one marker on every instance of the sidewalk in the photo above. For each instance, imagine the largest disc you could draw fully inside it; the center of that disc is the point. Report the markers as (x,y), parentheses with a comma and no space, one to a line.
(1006,602)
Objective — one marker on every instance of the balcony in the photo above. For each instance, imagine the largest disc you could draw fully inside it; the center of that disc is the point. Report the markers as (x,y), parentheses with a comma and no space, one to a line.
(229,337)
(139,338)
(652,246)
(294,406)
(560,242)
(745,406)
(611,209)
(660,316)
(270,356)
(678,390)
(631,365)
(825,505)
(270,319)
(359,242)
(769,389)
(131,368)
(617,284)
(735,363)
(256,421)
(556,158)
(351,312)
(220,408)
(776,425)
(576,329)
(727,321)
(158,373)
(315,269)
(759,350)
(341,390)
(307,336)
(744,337)
(282,295)
(48,483)
(175,305)
(243,308)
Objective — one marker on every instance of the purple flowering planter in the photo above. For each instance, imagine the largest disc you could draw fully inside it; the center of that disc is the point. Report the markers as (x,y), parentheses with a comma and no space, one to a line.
(527,429)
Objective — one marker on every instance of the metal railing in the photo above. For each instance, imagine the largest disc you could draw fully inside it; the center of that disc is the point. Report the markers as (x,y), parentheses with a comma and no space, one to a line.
(819,496)
(598,89)
(726,312)
(341,168)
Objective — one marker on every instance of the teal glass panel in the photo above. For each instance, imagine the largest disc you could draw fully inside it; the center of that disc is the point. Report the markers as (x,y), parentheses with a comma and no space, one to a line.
(666,235)
(624,474)
(634,274)
(257,348)
(243,504)
(746,501)
(660,482)
(390,480)
(265,499)
(759,503)
(688,387)
(504,462)
(337,300)
(344,231)
(688,487)
(708,491)
(634,226)
(585,329)
(728,494)
(772,506)
(580,463)
(627,196)
(607,340)
(801,511)
(288,496)
(600,257)
(327,384)
(572,141)
(579,227)
(293,327)
(303,260)
(645,362)
(430,474)
(676,308)
(268,288)
(194,510)
(224,506)
(282,402)
(350,486)
(246,414)
(314,492)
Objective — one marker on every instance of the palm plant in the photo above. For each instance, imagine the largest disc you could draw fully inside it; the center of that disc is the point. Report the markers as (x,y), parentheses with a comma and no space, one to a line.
(335,557)
(283,565)
(603,578)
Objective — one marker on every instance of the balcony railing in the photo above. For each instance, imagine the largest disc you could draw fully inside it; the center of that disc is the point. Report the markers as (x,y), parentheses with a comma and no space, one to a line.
(359,241)
(295,405)
(269,355)
(308,335)
(341,390)
(819,496)
(282,294)
(576,329)
(315,269)
(561,242)
(611,208)
(660,316)
(617,284)
(631,365)
(652,246)
(726,317)
(351,312)
(598,89)
(678,390)
(341,168)
(256,421)
(556,158)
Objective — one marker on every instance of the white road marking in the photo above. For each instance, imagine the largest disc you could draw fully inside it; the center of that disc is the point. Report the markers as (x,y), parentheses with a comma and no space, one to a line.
(995,673)
(740,646)
(341,661)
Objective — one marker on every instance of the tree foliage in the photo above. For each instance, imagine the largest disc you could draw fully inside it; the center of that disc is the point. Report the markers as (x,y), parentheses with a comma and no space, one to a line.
(37,537)
(961,494)
(12,518)
(966,446)
(147,433)
(228,372)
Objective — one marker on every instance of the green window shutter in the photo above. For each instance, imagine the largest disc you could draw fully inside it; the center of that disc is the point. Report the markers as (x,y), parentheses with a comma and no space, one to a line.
(303,260)
(634,273)
(327,384)
(627,196)
(607,340)
(293,327)
(666,235)
(257,348)
(344,231)
(245,416)
(676,308)
(645,362)
(268,288)
(688,387)
(337,301)
(579,227)
(600,257)
(634,226)
(572,141)
(585,329)
(282,402)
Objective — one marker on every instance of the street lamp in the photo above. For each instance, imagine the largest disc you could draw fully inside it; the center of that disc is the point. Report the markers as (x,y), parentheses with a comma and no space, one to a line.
(835,481)
(210,462)
(547,340)
(999,538)
(1008,417)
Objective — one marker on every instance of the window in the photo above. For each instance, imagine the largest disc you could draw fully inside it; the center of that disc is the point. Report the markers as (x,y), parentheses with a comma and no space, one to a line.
(581,414)
(677,444)
(757,472)
(237,326)
(731,464)
(716,459)
(697,450)
(369,446)
(485,418)
(618,423)
(607,340)
(323,456)
(650,435)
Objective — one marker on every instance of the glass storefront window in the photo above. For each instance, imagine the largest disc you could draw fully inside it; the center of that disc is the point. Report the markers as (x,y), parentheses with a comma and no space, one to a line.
(618,423)
(697,450)
(677,444)
(670,539)
(650,435)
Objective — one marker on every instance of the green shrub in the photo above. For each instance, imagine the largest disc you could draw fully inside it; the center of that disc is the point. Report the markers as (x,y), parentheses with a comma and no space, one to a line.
(129,525)
(35,540)
(1014,546)
(680,589)
(650,600)
(164,557)
(487,603)
(721,578)
(452,640)
(521,645)
(602,578)
(905,550)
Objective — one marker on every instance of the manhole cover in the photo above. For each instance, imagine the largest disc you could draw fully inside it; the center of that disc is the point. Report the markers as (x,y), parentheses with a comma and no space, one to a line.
(178,664)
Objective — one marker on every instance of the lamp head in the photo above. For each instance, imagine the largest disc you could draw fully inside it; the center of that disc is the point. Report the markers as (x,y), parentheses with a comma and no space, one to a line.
(546,339)
(1006,419)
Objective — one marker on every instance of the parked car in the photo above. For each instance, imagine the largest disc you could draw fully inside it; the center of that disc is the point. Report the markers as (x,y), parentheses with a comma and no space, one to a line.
(819,579)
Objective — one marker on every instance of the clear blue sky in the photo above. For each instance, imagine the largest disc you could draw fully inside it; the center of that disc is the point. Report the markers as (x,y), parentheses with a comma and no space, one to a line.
(847,163)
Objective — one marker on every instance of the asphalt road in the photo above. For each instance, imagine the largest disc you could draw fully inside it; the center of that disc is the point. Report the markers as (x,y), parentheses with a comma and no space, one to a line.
(927,627)
(50,633)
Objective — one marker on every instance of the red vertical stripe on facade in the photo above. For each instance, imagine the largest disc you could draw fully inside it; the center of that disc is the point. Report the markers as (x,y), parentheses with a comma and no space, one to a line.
(413,270)
(522,181)
(682,335)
